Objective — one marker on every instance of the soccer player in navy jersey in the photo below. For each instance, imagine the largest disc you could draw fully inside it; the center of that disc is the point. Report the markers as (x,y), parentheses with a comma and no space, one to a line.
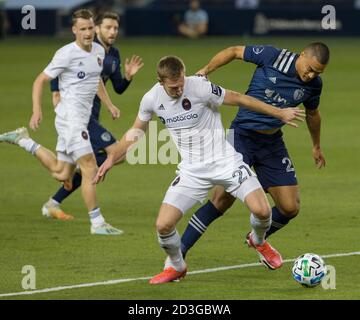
(102,141)
(282,78)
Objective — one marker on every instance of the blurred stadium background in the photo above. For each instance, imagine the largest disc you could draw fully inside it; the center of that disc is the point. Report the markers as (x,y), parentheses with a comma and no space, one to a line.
(66,254)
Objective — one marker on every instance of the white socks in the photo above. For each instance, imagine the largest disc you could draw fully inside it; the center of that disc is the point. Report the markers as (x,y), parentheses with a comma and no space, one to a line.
(96,218)
(259,228)
(171,244)
(29,145)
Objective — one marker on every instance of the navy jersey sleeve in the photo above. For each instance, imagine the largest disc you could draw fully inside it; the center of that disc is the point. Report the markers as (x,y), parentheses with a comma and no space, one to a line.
(314,100)
(260,55)
(54,85)
(119,83)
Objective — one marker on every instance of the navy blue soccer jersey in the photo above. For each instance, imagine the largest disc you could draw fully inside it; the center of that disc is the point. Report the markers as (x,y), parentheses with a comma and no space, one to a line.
(276,82)
(111,70)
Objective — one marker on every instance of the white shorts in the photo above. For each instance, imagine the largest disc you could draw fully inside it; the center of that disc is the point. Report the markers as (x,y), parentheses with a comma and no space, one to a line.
(73,140)
(192,184)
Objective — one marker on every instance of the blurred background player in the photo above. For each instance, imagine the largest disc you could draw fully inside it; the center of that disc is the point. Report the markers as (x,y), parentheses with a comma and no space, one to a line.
(78,66)
(283,79)
(102,141)
(206,157)
(196,21)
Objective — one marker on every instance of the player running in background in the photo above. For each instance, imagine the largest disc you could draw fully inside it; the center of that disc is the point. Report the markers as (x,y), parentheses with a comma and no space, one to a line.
(283,79)
(188,106)
(102,141)
(78,66)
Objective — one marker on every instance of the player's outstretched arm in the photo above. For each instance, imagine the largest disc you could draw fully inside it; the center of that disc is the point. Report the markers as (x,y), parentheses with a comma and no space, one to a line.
(37,90)
(221,58)
(133,135)
(104,96)
(286,115)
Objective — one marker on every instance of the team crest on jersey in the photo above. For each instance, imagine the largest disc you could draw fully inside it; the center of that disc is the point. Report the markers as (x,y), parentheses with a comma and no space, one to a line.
(186,104)
(84,135)
(106,137)
(176,181)
(298,94)
(81,74)
(99,61)
(216,90)
(258,49)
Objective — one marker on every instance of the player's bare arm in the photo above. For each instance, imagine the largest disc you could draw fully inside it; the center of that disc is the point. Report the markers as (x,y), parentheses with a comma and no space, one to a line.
(104,96)
(134,134)
(38,85)
(286,115)
(313,121)
(223,57)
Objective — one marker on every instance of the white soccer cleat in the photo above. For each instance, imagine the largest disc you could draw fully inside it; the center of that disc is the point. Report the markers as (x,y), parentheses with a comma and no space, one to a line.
(106,230)
(13,137)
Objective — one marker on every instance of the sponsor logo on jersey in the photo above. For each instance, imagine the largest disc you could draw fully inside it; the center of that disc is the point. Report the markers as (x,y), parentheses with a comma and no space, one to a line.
(162,120)
(182,118)
(161,107)
(216,90)
(106,136)
(176,181)
(298,94)
(258,49)
(186,104)
(84,135)
(81,74)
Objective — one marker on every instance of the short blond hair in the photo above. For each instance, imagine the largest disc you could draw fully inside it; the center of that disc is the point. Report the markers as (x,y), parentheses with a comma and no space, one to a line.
(170,67)
(83,14)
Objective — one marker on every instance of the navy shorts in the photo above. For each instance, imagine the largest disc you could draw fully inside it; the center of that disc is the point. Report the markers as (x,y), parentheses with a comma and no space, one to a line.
(100,138)
(268,155)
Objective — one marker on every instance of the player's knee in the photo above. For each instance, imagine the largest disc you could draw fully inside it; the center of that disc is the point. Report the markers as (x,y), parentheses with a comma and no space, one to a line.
(262,210)
(290,208)
(61,175)
(164,227)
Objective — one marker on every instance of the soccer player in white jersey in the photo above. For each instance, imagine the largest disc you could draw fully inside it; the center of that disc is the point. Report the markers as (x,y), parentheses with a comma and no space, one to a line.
(188,106)
(78,66)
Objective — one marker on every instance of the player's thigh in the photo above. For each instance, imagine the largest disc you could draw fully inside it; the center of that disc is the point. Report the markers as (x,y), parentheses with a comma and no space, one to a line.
(286,198)
(87,164)
(167,218)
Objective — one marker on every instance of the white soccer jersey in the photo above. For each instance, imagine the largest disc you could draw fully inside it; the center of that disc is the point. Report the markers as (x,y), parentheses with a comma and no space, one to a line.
(193,120)
(79,75)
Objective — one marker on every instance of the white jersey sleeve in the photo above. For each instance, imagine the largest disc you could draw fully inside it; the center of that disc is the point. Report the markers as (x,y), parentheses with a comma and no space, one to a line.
(58,64)
(210,92)
(146,108)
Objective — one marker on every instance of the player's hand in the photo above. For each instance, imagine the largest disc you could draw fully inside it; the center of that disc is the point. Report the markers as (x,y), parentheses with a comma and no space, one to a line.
(132,66)
(105,167)
(202,73)
(289,115)
(35,121)
(318,157)
(115,112)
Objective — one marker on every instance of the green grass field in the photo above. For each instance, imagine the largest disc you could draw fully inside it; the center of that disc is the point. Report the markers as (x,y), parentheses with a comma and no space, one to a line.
(64,253)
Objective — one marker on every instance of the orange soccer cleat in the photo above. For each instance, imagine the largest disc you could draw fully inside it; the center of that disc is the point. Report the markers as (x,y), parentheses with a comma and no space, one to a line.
(169,274)
(269,256)
(52,210)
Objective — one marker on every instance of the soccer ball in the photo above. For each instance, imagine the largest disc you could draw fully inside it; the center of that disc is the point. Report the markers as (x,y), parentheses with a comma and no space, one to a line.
(309,269)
